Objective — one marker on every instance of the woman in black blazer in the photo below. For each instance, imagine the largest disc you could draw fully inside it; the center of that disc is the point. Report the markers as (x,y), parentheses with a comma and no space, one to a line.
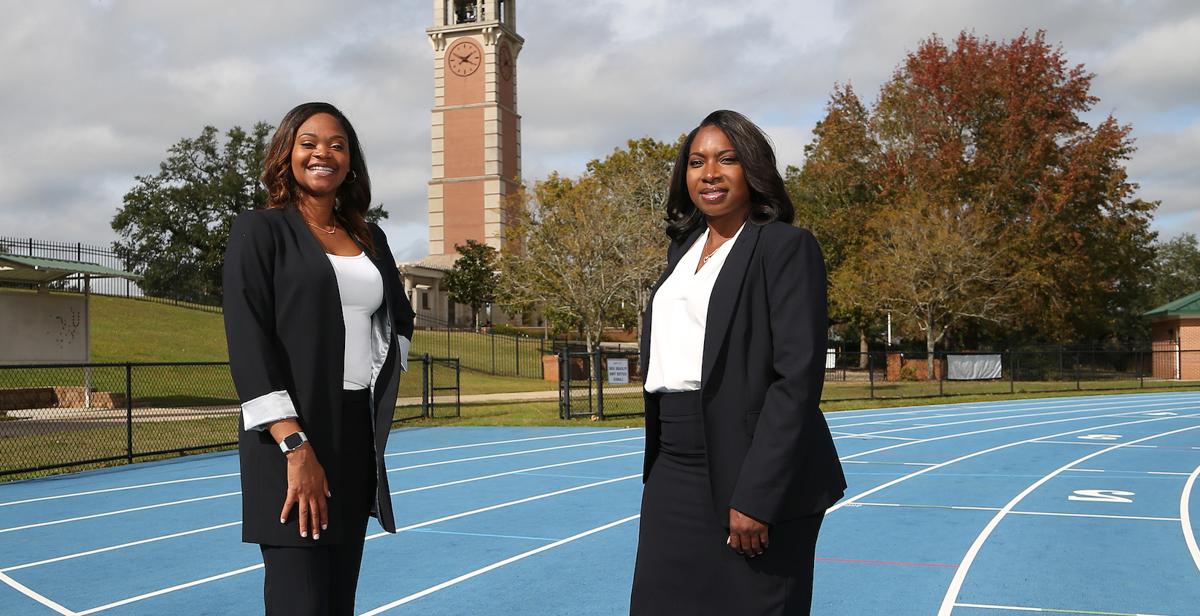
(318,328)
(740,465)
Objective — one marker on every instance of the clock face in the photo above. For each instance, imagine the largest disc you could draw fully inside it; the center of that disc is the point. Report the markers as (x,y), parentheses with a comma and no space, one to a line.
(464,58)
(506,62)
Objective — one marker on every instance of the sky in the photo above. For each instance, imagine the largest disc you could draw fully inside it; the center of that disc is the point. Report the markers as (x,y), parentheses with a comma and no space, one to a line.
(93,93)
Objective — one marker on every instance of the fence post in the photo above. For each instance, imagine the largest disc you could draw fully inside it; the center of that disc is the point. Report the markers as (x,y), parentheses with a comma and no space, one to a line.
(517,345)
(128,413)
(492,335)
(941,375)
(426,407)
(457,388)
(1141,375)
(599,384)
(871,372)
(1012,373)
(564,384)
(1078,384)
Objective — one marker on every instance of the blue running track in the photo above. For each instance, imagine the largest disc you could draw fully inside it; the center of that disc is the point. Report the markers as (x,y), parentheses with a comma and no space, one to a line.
(1066,505)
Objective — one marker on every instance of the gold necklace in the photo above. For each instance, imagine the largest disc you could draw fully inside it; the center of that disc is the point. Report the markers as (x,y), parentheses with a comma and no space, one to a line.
(329,231)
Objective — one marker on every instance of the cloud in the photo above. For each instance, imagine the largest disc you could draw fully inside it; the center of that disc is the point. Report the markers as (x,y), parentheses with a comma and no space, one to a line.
(95,93)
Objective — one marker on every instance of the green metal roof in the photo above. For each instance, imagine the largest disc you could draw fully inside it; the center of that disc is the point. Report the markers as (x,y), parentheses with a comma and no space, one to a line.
(1187,306)
(40,270)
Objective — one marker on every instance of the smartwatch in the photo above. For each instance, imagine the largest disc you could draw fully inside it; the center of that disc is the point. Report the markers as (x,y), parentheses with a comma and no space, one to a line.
(292,442)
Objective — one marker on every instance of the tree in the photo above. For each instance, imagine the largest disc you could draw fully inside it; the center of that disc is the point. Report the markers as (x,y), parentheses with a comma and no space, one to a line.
(935,265)
(989,133)
(586,251)
(174,225)
(571,254)
(638,177)
(1176,270)
(835,196)
(473,279)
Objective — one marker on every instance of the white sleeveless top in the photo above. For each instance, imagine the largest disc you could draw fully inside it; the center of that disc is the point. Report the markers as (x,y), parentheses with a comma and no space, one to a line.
(361,290)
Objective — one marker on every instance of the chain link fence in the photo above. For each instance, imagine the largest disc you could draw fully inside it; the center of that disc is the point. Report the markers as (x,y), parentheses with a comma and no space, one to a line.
(56,417)
(587,389)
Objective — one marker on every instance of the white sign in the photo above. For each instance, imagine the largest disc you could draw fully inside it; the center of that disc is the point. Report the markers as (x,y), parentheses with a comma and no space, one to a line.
(42,328)
(830,359)
(618,371)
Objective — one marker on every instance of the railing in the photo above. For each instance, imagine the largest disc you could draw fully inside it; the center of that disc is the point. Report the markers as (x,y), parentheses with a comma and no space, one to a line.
(586,388)
(55,417)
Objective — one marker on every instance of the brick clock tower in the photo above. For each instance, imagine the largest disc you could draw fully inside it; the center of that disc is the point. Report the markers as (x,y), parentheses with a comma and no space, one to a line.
(476,131)
(476,145)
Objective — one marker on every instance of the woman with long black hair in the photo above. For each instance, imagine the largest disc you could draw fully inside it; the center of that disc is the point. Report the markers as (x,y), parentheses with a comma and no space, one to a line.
(318,328)
(740,465)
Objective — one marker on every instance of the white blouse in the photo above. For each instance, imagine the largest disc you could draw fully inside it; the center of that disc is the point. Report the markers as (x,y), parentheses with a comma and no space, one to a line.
(361,289)
(678,318)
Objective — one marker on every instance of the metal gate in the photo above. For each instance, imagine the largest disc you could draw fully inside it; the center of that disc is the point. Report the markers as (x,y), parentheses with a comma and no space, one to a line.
(601,384)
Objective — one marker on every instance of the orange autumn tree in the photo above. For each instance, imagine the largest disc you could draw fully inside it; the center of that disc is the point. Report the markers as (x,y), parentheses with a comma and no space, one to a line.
(988,137)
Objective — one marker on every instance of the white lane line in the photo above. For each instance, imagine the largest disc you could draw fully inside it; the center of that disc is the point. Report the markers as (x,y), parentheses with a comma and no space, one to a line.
(871,436)
(1002,407)
(506,442)
(368,538)
(164,591)
(996,429)
(1035,513)
(1103,516)
(25,590)
(227,524)
(1014,417)
(1131,446)
(960,574)
(1160,473)
(1049,402)
(496,565)
(227,475)
(120,489)
(120,547)
(1018,608)
(513,453)
(227,494)
(118,512)
(516,472)
(857,497)
(1185,516)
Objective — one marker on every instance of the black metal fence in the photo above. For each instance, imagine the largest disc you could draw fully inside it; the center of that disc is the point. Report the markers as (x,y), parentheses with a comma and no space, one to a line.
(90,253)
(57,417)
(586,387)
(501,354)
(605,384)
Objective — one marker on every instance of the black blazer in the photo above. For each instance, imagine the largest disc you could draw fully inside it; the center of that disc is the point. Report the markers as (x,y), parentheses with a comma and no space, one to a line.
(283,323)
(770,453)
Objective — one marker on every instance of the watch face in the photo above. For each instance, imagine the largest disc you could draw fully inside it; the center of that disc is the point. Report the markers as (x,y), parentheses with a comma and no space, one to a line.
(293,440)
(464,58)
(506,62)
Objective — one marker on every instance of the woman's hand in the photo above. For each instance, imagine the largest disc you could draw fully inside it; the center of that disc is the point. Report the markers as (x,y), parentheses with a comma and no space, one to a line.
(747,536)
(307,489)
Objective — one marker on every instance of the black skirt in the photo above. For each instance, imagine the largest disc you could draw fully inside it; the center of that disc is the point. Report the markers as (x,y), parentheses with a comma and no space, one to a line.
(683,563)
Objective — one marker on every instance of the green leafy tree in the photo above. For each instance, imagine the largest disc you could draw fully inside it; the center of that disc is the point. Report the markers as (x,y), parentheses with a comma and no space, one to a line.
(174,225)
(474,278)
(1176,270)
(835,196)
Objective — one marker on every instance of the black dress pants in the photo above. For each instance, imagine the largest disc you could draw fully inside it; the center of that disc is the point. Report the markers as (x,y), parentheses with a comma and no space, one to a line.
(321,580)
(684,566)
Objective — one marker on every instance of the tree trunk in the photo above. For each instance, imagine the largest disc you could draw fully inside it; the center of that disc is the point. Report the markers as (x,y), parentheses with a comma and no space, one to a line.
(930,343)
(863,348)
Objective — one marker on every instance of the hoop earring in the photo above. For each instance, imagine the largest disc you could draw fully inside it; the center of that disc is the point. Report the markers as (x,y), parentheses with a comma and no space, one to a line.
(353,175)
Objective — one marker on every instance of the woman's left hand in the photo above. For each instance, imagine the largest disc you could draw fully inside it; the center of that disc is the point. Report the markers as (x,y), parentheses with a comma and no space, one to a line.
(747,536)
